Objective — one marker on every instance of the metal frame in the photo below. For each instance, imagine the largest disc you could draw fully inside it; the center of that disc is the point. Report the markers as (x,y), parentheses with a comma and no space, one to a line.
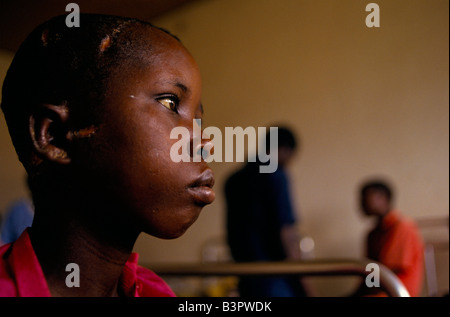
(389,282)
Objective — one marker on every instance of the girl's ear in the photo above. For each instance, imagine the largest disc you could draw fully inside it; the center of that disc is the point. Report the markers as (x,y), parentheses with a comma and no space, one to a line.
(48,130)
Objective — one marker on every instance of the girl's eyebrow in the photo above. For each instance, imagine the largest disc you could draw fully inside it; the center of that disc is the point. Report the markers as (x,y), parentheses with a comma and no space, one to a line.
(181,86)
(175,83)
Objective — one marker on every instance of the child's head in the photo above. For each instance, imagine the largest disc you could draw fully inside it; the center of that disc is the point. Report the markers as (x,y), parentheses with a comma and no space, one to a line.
(376,197)
(90,111)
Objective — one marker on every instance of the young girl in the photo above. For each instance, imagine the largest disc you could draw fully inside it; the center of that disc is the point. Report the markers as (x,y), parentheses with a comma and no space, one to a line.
(90,110)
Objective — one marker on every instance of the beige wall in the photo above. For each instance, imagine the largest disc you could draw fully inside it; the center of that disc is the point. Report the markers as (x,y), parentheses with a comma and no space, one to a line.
(364,101)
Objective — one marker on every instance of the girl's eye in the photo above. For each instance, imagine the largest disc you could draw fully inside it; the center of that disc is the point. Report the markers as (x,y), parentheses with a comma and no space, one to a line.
(170,103)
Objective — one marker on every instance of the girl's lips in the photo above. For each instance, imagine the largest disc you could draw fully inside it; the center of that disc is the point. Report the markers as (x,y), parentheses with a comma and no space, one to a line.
(201,189)
(205,179)
(203,195)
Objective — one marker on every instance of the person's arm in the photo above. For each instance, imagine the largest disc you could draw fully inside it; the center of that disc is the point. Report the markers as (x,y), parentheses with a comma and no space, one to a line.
(289,234)
(290,238)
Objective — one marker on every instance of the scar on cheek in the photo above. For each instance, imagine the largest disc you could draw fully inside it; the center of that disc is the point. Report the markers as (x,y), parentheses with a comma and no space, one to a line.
(105,44)
(82,133)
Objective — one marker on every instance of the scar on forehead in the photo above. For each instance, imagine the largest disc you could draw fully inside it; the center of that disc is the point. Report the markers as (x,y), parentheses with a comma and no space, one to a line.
(105,44)
(44,37)
(107,40)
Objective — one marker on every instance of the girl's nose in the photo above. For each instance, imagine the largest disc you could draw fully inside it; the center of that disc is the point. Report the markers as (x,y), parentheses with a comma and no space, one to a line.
(201,143)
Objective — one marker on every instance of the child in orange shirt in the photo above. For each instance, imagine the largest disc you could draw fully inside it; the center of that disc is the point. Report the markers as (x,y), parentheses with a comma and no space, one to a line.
(395,241)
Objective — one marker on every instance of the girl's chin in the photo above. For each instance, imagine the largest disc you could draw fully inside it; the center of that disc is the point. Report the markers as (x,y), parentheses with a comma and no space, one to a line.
(170,223)
(172,232)
(168,235)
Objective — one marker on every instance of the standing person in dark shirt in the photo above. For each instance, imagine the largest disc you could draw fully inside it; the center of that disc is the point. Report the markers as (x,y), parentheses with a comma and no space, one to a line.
(261,221)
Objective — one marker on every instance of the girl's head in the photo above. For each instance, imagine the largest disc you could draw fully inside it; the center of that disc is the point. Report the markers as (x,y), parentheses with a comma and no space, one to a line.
(90,111)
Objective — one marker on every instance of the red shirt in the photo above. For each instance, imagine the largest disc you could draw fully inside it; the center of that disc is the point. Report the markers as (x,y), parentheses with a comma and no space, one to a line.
(21,274)
(396,242)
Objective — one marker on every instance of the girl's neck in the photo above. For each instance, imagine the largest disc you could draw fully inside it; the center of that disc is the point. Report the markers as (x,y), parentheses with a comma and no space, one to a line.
(99,249)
